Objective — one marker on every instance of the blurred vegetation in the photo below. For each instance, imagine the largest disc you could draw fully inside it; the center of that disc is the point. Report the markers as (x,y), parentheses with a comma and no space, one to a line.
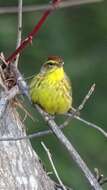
(79,35)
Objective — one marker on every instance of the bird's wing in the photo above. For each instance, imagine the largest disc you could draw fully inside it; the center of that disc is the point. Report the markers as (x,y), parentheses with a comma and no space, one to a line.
(35,80)
(67,83)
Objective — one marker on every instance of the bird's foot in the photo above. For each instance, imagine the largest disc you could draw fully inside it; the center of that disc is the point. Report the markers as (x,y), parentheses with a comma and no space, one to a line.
(73,111)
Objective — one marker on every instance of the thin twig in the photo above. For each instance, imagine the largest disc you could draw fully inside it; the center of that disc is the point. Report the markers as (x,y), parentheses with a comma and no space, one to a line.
(19,32)
(80,107)
(30,8)
(2,58)
(71,150)
(100,177)
(30,77)
(31,136)
(48,132)
(2,79)
(53,166)
(92,125)
(20,81)
(28,40)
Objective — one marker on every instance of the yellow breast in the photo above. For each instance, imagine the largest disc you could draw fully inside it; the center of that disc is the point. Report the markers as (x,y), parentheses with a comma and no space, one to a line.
(52,91)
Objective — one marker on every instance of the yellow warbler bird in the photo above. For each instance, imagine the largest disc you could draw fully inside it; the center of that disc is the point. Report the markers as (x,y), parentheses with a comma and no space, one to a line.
(51,88)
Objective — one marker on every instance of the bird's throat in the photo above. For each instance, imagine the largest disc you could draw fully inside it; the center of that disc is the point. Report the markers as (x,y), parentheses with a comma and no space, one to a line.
(57,74)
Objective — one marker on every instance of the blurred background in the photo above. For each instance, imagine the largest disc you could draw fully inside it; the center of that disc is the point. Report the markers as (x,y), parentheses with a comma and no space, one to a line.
(79,35)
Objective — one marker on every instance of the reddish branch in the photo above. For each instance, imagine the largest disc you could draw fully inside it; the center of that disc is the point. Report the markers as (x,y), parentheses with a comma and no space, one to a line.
(33,33)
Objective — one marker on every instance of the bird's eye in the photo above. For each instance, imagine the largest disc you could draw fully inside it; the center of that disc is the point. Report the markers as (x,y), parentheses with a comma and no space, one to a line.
(50,63)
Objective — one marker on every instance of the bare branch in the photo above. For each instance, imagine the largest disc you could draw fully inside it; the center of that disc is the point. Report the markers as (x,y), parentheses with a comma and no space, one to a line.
(19,32)
(92,125)
(47,132)
(20,80)
(100,177)
(33,33)
(64,4)
(52,164)
(71,150)
(80,107)
(34,135)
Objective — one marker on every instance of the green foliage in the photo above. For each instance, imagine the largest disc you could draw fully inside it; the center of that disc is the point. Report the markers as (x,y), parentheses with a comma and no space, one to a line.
(79,35)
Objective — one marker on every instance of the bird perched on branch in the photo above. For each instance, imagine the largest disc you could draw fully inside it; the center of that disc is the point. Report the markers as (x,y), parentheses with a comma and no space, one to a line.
(51,88)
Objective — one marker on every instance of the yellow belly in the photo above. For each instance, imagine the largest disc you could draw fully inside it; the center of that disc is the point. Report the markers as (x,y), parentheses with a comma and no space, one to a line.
(53,96)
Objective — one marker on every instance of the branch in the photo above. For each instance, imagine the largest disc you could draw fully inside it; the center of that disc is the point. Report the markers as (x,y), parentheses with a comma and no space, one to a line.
(100,177)
(33,33)
(80,107)
(20,81)
(23,87)
(30,8)
(92,125)
(69,147)
(53,166)
(19,32)
(47,132)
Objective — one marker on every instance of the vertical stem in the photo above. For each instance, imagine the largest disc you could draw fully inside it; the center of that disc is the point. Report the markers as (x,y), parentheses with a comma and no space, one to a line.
(19,32)
(34,32)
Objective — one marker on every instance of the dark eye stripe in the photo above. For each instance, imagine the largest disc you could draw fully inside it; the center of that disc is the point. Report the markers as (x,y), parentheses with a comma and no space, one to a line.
(50,63)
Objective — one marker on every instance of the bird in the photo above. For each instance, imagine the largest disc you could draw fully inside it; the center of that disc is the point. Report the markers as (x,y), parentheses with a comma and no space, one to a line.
(51,88)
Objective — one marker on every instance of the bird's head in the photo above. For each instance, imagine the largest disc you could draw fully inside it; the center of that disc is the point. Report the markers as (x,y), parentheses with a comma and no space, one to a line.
(53,63)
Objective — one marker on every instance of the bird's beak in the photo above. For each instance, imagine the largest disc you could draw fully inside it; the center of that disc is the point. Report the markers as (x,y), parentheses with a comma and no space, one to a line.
(61,64)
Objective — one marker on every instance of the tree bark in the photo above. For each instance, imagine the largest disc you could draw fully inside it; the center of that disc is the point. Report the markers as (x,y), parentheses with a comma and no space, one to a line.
(20,168)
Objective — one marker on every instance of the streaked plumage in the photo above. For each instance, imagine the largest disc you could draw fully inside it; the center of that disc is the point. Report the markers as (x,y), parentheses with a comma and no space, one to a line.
(51,88)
